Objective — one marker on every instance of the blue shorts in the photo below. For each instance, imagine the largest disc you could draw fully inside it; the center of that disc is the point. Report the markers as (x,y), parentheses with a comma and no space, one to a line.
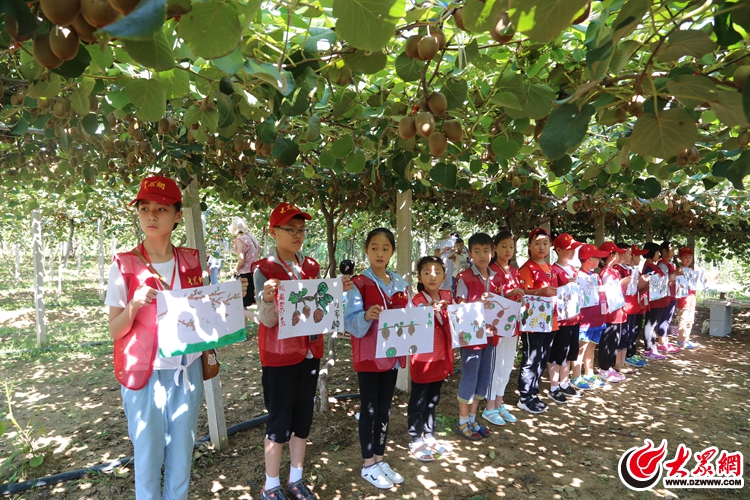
(591,334)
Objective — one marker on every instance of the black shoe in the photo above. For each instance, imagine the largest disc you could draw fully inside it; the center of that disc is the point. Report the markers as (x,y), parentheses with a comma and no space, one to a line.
(300,491)
(532,405)
(540,404)
(276,493)
(558,397)
(571,392)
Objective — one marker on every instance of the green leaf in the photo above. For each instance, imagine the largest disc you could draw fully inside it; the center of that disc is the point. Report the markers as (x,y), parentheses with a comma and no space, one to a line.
(342,146)
(622,55)
(628,18)
(649,188)
(694,43)
(3,425)
(207,117)
(408,69)
(153,53)
(101,56)
(479,15)
(118,99)
(455,92)
(270,73)
(513,83)
(44,88)
(692,90)
(149,96)
(544,20)
(664,135)
(318,40)
(76,66)
(225,105)
(142,23)
(79,98)
(561,166)
(230,64)
(355,162)
(505,148)
(728,107)
(286,151)
(738,170)
(746,101)
(312,134)
(506,100)
(368,24)
(368,63)
(565,128)
(95,124)
(445,175)
(36,461)
(211,29)
(537,102)
(176,81)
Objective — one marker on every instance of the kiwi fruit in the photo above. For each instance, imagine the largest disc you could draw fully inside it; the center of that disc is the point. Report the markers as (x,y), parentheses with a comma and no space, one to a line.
(98,13)
(501,31)
(411,46)
(438,144)
(407,128)
(59,109)
(621,115)
(743,139)
(425,124)
(453,130)
(163,126)
(693,155)
(458,18)
(267,149)
(11,27)
(438,33)
(84,29)
(681,160)
(124,7)
(172,123)
(428,48)
(63,42)
(516,182)
(43,53)
(437,103)
(635,108)
(60,12)
(585,15)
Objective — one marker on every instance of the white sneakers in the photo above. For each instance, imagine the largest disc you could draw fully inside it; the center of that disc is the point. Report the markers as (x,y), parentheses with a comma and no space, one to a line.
(381,476)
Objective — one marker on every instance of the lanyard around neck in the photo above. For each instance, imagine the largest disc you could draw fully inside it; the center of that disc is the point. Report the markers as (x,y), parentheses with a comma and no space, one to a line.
(289,269)
(159,276)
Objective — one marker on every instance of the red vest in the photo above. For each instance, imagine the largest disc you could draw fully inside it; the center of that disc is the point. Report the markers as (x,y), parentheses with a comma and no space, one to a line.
(632,304)
(564,279)
(476,286)
(540,279)
(649,268)
(438,364)
(619,316)
(592,317)
(286,352)
(134,352)
(363,350)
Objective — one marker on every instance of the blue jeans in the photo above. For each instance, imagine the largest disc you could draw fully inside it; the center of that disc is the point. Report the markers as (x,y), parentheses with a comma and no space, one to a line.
(476,373)
(162,421)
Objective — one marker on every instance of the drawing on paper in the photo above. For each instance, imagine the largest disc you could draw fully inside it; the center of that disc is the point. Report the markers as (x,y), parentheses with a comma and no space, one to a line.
(682,287)
(589,290)
(501,315)
(568,301)
(467,324)
(658,287)
(309,307)
(633,285)
(405,331)
(536,314)
(613,293)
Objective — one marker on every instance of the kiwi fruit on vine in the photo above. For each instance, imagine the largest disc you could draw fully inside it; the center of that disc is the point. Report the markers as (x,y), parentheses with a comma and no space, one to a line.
(43,53)
(84,29)
(584,15)
(60,108)
(407,128)
(438,33)
(740,76)
(93,103)
(437,103)
(621,115)
(163,126)
(425,124)
(693,155)
(124,7)
(428,48)
(458,18)
(438,143)
(411,46)
(516,182)
(98,13)
(225,86)
(63,42)
(11,27)
(635,108)
(453,130)
(172,123)
(743,139)
(500,31)
(682,160)
(60,12)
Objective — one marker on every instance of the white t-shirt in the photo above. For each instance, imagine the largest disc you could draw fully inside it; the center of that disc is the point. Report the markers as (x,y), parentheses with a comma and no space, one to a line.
(117,296)
(447,262)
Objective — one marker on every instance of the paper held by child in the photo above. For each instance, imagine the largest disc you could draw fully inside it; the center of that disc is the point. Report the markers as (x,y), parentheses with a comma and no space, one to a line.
(501,315)
(633,285)
(568,301)
(310,307)
(405,331)
(536,314)
(615,298)
(682,287)
(196,319)
(658,287)
(589,289)
(696,278)
(467,324)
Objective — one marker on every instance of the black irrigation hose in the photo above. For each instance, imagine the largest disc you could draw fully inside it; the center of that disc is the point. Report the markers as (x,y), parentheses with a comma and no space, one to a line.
(11,489)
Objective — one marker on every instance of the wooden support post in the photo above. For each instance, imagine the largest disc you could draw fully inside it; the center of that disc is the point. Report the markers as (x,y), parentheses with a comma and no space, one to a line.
(60,265)
(404,261)
(548,227)
(217,424)
(599,227)
(36,250)
(17,272)
(691,241)
(113,249)
(80,256)
(100,254)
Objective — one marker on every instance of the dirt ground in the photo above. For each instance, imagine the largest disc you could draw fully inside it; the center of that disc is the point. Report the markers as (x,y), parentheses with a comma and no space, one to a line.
(697,397)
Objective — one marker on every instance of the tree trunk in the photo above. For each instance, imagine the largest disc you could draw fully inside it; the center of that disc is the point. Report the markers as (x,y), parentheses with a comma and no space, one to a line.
(323,375)
(69,246)
(60,264)
(403,261)
(599,227)
(36,250)
(100,258)
(17,273)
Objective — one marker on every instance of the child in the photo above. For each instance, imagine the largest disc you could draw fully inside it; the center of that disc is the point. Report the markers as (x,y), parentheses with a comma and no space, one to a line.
(473,285)
(537,279)
(374,290)
(685,305)
(655,309)
(290,366)
(505,351)
(666,265)
(460,260)
(161,396)
(632,309)
(592,318)
(429,370)
(635,263)
(566,344)
(609,356)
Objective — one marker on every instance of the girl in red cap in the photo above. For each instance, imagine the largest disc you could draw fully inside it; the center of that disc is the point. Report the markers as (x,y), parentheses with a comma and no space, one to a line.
(593,318)
(685,305)
(655,308)
(609,353)
(666,265)
(632,308)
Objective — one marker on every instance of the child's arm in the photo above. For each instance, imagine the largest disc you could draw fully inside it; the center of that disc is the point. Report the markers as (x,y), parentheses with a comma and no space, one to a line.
(356,320)
(121,319)
(266,299)
(462,292)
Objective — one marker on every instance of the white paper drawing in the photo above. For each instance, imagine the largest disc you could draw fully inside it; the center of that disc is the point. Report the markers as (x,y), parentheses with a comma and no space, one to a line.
(682,287)
(196,319)
(613,292)
(568,301)
(467,324)
(696,278)
(536,314)
(633,285)
(310,307)
(501,315)
(405,331)
(589,289)
(658,287)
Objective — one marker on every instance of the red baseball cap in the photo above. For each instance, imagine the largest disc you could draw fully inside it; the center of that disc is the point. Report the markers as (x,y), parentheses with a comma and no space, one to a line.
(284,212)
(610,247)
(536,232)
(685,251)
(566,242)
(587,251)
(637,251)
(159,189)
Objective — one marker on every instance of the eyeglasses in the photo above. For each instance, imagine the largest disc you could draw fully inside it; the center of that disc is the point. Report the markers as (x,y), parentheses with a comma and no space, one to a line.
(293,232)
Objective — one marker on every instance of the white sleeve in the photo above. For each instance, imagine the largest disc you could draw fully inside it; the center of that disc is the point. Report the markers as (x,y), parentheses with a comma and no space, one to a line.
(117,291)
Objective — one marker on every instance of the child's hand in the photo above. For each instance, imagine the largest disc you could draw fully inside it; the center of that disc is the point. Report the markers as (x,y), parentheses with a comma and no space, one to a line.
(270,289)
(244,283)
(548,291)
(516,292)
(626,280)
(485,295)
(347,281)
(142,297)
(600,289)
(373,313)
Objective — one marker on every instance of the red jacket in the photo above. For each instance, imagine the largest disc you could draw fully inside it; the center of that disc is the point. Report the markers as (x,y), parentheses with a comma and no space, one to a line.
(134,352)
(363,350)
(438,364)
(476,286)
(286,352)
(508,283)
(632,304)
(536,277)
(649,268)
(619,316)
(592,317)
(562,280)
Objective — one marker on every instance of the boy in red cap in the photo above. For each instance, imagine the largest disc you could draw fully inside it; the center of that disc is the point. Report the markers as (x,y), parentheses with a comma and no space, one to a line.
(565,346)
(632,307)
(685,305)
(290,366)
(609,353)
(161,396)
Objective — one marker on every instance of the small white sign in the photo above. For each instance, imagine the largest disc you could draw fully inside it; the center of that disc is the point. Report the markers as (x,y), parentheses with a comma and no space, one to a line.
(310,307)
(405,331)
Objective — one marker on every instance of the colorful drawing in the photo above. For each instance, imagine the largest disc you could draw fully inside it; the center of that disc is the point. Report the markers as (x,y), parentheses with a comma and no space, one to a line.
(682,287)
(405,331)
(658,287)
(196,319)
(696,278)
(613,292)
(501,315)
(568,301)
(467,324)
(536,314)
(589,289)
(302,312)
(633,285)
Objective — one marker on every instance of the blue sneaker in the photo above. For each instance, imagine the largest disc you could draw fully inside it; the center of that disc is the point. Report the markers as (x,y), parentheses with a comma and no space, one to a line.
(493,416)
(507,416)
(687,345)
(634,361)
(595,381)
(580,383)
